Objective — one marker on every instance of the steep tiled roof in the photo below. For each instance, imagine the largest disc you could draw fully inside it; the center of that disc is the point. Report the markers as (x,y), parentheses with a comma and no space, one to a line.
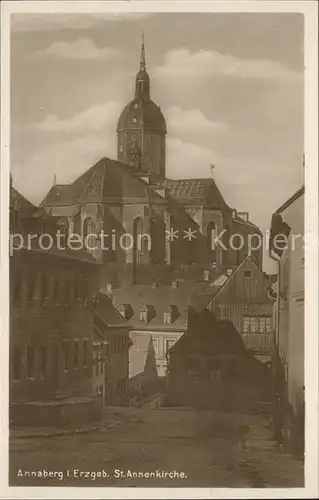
(220,338)
(141,355)
(195,192)
(108,180)
(158,300)
(106,312)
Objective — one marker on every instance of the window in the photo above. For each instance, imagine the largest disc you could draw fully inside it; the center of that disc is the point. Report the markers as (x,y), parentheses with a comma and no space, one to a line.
(156,345)
(134,119)
(247,274)
(169,344)
(44,289)
(268,324)
(31,287)
(262,325)
(143,316)
(250,324)
(56,291)
(85,352)
(65,355)
(16,364)
(136,105)
(42,360)
(76,354)
(167,318)
(30,361)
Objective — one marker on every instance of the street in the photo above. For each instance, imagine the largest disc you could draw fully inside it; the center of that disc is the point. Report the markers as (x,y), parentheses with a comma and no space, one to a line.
(170,447)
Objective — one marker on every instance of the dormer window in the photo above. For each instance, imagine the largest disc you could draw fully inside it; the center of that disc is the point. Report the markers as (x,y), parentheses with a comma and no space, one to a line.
(171,315)
(167,318)
(143,316)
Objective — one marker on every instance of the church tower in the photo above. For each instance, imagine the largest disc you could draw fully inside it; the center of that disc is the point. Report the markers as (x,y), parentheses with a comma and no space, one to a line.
(141,129)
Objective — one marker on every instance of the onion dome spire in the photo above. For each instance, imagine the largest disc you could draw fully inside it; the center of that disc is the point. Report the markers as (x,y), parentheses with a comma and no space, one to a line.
(142,83)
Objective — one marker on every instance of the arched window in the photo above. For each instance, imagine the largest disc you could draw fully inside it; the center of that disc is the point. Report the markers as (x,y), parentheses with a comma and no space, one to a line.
(211,233)
(137,230)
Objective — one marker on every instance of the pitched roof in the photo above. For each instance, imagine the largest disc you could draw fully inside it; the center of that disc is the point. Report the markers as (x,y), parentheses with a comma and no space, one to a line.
(200,300)
(195,192)
(159,300)
(109,181)
(106,312)
(141,355)
(21,204)
(221,338)
(290,200)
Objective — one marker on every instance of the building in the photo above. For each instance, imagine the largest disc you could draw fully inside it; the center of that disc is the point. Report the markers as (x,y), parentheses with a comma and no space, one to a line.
(158,311)
(242,296)
(113,329)
(99,365)
(137,207)
(287,248)
(209,367)
(51,321)
(145,387)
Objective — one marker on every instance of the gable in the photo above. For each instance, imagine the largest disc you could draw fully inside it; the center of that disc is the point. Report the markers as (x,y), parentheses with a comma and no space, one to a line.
(247,284)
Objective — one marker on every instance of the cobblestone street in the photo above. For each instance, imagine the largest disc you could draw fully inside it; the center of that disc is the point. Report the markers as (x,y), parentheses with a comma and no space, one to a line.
(200,445)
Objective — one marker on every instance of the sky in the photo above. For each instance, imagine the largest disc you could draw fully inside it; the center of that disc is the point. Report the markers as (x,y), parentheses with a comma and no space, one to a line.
(230,87)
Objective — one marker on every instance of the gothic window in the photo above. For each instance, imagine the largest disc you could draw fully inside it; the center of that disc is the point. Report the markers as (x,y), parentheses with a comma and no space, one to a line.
(137,230)
(210,234)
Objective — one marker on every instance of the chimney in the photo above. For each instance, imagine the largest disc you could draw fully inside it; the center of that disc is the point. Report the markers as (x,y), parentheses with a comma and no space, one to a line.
(234,213)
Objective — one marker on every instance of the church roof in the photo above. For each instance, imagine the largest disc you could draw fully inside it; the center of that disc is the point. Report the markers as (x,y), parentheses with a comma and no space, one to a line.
(141,113)
(195,192)
(108,181)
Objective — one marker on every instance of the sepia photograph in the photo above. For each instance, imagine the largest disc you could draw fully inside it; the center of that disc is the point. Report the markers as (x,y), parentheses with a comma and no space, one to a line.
(157,182)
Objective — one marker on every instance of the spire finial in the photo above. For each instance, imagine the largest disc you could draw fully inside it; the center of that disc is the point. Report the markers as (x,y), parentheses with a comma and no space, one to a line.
(142,62)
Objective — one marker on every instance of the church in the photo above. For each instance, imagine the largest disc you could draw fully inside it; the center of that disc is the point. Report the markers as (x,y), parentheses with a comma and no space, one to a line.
(132,196)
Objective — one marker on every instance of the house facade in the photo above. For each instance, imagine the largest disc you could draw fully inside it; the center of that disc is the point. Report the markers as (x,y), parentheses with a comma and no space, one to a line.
(159,312)
(242,296)
(287,248)
(112,363)
(51,320)
(209,367)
